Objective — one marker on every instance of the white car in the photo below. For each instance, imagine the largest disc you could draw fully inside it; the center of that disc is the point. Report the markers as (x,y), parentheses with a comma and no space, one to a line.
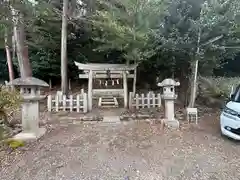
(230,117)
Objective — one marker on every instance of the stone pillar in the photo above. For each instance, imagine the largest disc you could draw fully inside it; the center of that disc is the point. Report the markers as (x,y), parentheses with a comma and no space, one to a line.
(30,116)
(30,92)
(169,97)
(169,109)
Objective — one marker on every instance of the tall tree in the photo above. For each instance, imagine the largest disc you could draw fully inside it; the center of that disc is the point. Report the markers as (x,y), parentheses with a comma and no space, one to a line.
(20,38)
(9,57)
(6,29)
(227,14)
(127,26)
(200,33)
(18,17)
(64,82)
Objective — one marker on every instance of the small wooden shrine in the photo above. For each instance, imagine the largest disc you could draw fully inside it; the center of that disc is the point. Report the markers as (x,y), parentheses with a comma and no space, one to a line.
(107,81)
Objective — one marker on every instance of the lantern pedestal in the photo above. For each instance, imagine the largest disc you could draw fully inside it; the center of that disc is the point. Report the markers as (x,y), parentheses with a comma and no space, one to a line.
(172,124)
(25,136)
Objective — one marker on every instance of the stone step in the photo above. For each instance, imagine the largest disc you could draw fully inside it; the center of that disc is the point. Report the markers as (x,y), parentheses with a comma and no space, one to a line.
(107,97)
(109,106)
(111,119)
(107,102)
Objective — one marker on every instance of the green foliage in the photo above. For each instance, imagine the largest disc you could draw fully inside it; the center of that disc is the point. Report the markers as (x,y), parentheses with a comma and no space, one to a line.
(225,83)
(128,26)
(209,26)
(210,89)
(218,87)
(168,33)
(9,101)
(164,33)
(3,66)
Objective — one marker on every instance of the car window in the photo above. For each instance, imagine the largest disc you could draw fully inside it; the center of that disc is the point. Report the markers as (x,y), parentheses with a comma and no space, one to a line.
(236,95)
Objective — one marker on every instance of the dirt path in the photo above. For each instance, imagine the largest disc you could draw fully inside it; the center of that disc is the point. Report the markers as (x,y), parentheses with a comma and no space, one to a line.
(136,150)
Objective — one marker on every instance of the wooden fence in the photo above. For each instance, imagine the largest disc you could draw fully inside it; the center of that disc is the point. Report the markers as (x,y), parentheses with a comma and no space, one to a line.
(149,100)
(67,103)
(7,86)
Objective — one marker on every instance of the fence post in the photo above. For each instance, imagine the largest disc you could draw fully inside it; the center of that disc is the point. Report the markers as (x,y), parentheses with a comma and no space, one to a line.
(153,100)
(82,91)
(64,102)
(49,103)
(159,100)
(137,101)
(143,101)
(78,102)
(6,83)
(148,100)
(60,96)
(56,102)
(85,103)
(130,100)
(71,103)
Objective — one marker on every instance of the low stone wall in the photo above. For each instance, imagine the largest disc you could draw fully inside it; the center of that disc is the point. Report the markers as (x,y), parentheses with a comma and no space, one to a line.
(74,116)
(152,114)
(91,118)
(141,114)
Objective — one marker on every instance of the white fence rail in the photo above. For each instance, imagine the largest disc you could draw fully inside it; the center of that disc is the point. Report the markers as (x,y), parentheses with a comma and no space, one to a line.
(8,86)
(67,103)
(149,100)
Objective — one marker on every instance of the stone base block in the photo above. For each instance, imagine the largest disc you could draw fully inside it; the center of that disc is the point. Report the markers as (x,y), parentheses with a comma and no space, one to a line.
(172,124)
(26,136)
(111,119)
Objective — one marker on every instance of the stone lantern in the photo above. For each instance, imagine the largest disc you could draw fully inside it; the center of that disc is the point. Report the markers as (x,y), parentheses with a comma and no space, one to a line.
(169,97)
(30,92)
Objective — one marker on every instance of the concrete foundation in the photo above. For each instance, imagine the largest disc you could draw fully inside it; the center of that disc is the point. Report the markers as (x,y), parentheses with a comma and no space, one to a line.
(172,124)
(27,136)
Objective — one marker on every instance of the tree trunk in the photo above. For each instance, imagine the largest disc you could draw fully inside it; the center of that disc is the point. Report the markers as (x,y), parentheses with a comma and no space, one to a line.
(64,82)
(13,47)
(135,79)
(9,58)
(193,84)
(21,46)
(184,86)
(194,74)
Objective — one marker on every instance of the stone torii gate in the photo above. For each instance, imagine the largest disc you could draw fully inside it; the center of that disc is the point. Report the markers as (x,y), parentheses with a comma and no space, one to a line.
(104,71)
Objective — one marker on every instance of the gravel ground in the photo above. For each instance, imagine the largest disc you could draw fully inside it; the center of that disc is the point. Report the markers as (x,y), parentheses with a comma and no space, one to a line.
(127,151)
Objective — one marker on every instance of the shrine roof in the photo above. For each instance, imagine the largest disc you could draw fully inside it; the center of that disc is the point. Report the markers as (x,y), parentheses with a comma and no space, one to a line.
(101,66)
